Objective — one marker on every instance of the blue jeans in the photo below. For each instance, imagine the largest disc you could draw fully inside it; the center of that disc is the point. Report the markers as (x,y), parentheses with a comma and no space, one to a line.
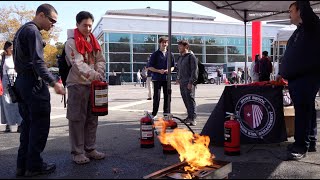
(35,111)
(303,93)
(188,99)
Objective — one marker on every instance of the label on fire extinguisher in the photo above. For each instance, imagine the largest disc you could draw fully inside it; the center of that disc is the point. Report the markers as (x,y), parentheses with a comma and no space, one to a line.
(101,97)
(227,134)
(146,127)
(146,134)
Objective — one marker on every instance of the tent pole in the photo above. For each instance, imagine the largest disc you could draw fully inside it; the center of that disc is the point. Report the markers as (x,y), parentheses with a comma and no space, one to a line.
(169,58)
(245,47)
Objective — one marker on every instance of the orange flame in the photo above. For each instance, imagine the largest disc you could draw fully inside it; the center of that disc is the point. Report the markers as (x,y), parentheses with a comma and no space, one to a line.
(192,148)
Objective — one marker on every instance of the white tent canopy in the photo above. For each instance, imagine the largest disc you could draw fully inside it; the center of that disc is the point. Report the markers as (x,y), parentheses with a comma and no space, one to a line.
(247,11)
(285,33)
(254,10)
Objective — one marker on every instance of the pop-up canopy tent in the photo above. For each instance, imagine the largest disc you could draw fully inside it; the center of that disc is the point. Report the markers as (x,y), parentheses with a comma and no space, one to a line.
(247,11)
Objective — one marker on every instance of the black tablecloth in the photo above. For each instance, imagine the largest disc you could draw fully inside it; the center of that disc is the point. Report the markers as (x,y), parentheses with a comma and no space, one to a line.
(261,111)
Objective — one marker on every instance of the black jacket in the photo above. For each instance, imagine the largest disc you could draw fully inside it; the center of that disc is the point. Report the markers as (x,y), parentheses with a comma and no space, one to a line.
(28,53)
(302,55)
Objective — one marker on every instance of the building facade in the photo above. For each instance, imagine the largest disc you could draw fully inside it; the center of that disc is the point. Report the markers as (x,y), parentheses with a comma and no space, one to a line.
(128,37)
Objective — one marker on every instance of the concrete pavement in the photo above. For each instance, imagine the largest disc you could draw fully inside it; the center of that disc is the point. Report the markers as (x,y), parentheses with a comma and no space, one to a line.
(118,136)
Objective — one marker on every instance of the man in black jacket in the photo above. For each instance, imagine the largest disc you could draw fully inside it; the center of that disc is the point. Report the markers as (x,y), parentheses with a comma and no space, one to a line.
(300,66)
(34,107)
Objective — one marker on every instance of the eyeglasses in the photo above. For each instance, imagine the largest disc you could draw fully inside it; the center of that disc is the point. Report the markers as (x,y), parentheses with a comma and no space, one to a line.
(51,19)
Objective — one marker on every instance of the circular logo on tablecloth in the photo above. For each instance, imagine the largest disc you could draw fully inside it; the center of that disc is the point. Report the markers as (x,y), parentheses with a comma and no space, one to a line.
(257,115)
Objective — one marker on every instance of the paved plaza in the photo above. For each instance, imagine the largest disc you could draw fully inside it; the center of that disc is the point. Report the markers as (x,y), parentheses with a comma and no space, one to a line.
(118,136)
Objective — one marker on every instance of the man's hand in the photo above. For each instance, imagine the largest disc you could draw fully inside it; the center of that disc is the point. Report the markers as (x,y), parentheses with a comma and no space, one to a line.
(161,71)
(58,88)
(189,86)
(178,81)
(98,76)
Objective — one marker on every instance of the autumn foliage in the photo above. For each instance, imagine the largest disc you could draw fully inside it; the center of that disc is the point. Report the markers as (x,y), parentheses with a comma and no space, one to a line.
(12,18)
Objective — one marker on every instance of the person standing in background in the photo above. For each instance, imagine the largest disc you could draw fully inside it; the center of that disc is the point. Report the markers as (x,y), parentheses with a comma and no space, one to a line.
(9,111)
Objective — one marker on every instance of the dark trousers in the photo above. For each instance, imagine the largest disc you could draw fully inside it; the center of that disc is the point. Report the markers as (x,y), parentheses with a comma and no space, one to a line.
(188,99)
(264,77)
(303,93)
(35,111)
(156,96)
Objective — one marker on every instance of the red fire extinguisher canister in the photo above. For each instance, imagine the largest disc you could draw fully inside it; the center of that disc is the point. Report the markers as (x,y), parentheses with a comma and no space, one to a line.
(99,98)
(170,125)
(146,131)
(232,136)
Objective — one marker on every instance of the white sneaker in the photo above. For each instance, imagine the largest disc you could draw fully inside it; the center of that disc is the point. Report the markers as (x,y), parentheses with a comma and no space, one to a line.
(153,117)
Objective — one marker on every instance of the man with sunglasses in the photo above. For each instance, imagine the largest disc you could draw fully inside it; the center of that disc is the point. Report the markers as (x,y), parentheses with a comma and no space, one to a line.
(34,106)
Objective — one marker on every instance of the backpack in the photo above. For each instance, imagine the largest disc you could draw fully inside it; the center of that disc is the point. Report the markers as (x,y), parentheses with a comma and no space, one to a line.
(202,73)
(63,66)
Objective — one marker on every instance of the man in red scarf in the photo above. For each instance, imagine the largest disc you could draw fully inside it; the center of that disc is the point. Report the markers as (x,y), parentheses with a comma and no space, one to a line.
(88,63)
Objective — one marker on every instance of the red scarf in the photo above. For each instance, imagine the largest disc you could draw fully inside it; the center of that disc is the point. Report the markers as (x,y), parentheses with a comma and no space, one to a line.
(84,46)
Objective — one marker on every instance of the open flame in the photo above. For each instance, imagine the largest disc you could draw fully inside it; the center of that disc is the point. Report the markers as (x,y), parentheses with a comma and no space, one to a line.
(192,148)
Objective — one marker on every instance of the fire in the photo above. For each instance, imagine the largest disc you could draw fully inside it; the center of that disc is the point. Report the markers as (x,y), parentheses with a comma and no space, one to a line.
(192,148)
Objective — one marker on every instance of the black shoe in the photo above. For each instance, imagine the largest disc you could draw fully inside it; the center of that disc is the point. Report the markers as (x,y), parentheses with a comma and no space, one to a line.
(45,169)
(20,172)
(296,156)
(8,128)
(312,148)
(19,129)
(149,99)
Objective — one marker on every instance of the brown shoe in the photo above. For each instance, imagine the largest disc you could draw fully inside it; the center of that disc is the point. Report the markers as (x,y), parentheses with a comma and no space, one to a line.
(95,155)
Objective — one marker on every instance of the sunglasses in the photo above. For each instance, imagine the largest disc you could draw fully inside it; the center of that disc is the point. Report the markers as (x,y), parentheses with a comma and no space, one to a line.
(51,19)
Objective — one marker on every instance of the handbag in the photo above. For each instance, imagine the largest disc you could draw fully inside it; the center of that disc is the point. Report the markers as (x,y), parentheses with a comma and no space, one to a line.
(12,90)
(287,101)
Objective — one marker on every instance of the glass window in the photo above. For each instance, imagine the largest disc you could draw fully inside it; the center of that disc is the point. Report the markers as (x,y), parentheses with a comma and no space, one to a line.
(215,49)
(119,57)
(144,48)
(144,38)
(119,47)
(235,50)
(193,39)
(215,59)
(119,37)
(137,66)
(239,50)
(237,41)
(196,49)
(126,77)
(140,57)
(117,67)
(210,40)
(236,58)
(174,48)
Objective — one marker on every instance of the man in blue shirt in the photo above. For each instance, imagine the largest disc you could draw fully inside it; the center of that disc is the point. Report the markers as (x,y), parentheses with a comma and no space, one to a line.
(158,66)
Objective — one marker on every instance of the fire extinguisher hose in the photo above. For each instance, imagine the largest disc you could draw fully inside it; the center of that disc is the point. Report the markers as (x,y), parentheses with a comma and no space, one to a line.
(183,123)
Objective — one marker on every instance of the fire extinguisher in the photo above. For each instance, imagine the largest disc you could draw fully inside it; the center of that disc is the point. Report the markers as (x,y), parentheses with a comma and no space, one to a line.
(170,126)
(232,136)
(146,131)
(99,98)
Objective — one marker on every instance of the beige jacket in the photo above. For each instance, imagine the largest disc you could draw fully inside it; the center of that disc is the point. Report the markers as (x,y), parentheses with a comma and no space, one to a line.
(83,72)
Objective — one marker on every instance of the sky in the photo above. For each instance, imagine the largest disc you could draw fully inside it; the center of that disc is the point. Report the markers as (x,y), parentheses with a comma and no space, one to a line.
(67,10)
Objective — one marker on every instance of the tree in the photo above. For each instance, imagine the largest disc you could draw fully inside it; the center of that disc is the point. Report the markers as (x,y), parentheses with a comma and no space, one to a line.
(50,53)
(12,18)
